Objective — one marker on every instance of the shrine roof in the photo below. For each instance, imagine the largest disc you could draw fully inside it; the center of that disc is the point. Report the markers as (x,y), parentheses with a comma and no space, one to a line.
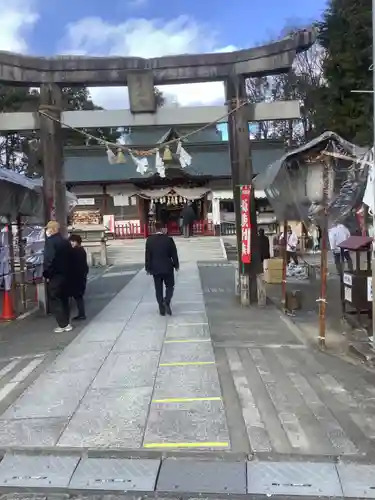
(157,135)
(91,164)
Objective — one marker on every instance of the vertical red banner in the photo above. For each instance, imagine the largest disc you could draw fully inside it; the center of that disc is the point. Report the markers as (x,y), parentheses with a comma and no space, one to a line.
(245,224)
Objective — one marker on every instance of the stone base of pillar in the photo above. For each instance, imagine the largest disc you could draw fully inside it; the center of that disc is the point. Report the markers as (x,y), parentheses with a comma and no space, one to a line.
(41,297)
(261,290)
(237,287)
(245,292)
(103,253)
(217,231)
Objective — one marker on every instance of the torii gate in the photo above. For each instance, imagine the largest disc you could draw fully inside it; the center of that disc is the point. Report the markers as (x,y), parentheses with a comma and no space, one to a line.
(140,76)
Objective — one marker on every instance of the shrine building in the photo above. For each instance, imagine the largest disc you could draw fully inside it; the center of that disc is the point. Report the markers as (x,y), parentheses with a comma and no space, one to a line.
(128,202)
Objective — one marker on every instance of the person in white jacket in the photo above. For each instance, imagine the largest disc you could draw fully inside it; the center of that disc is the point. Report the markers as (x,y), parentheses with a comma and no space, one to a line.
(337,234)
(291,245)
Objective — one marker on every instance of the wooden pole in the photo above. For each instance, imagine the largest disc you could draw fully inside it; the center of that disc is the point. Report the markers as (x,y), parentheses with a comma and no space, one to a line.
(284,257)
(13,286)
(324,260)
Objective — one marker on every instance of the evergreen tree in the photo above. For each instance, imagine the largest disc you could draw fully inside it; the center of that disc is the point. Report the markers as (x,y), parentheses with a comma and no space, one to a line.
(346,36)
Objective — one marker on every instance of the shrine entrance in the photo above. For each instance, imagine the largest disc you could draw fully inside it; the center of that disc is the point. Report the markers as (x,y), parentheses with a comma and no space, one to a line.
(167,210)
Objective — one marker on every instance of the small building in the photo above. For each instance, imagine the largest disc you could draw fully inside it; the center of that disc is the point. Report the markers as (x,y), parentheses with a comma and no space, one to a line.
(124,197)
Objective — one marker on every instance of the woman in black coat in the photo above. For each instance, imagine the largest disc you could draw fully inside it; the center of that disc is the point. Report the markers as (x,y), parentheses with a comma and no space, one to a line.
(78,274)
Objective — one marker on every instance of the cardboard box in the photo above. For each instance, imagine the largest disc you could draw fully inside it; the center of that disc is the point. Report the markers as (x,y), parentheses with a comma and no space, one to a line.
(273,264)
(273,276)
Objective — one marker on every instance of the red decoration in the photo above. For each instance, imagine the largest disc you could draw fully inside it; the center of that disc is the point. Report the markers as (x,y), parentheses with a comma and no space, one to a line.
(245,225)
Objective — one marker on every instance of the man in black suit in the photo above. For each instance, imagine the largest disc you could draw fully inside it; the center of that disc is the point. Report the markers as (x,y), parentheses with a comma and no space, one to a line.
(57,261)
(161,259)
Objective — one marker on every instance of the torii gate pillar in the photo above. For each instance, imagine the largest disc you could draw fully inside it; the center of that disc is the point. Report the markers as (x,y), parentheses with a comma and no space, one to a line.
(54,189)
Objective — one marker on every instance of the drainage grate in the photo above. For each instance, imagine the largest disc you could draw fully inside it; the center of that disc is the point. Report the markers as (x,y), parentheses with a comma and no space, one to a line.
(358,481)
(293,478)
(116,474)
(202,477)
(37,471)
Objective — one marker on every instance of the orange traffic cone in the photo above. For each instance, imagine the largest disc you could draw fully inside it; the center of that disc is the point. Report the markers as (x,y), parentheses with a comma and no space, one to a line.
(8,313)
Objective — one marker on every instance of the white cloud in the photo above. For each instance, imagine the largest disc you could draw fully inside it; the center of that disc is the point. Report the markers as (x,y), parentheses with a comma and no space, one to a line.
(16,19)
(136,4)
(146,38)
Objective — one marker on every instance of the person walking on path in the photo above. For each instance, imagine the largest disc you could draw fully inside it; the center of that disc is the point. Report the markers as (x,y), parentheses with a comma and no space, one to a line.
(336,235)
(161,260)
(57,255)
(291,246)
(78,274)
(188,217)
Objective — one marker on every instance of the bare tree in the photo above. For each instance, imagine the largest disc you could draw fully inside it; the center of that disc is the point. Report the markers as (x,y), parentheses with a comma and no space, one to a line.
(301,84)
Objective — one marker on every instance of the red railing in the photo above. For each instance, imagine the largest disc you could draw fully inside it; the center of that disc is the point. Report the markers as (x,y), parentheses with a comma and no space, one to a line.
(133,231)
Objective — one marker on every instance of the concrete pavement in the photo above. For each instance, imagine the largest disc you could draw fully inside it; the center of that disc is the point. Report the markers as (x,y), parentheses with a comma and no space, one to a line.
(29,346)
(162,369)
(293,398)
(133,380)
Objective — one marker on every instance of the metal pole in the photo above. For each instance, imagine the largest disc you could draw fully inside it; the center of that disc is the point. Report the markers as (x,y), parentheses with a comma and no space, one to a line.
(324,261)
(373,171)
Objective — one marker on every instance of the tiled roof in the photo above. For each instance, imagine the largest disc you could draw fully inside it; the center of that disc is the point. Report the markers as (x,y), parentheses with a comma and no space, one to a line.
(83,165)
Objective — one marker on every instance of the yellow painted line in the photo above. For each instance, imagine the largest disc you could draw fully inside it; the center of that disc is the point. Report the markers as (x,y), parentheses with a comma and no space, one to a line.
(179,341)
(187,445)
(189,363)
(183,400)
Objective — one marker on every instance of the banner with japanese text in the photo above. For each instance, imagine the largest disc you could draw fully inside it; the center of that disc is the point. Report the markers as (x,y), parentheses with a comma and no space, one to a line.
(245,224)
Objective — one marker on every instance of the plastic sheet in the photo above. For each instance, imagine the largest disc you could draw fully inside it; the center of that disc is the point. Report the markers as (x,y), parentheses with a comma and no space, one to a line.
(294,184)
(18,194)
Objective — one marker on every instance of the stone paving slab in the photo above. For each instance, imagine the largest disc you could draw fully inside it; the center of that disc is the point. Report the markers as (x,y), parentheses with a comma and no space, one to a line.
(187,382)
(187,352)
(31,432)
(128,370)
(113,418)
(202,477)
(187,424)
(78,357)
(187,332)
(187,319)
(52,395)
(139,340)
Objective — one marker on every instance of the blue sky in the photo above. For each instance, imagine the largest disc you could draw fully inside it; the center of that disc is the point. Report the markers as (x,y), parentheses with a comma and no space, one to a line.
(241,23)
(148,28)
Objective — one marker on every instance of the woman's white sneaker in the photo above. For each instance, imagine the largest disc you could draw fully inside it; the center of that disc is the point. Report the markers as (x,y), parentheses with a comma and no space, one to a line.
(68,328)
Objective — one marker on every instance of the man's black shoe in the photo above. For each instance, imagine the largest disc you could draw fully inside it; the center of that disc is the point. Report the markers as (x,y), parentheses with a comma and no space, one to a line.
(168,309)
(162,310)
(79,318)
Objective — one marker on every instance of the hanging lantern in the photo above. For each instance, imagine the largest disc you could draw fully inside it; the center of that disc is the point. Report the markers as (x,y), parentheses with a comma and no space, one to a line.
(120,156)
(167,154)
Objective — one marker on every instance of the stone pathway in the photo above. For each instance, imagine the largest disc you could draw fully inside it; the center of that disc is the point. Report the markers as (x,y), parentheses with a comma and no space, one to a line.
(281,395)
(197,248)
(131,379)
